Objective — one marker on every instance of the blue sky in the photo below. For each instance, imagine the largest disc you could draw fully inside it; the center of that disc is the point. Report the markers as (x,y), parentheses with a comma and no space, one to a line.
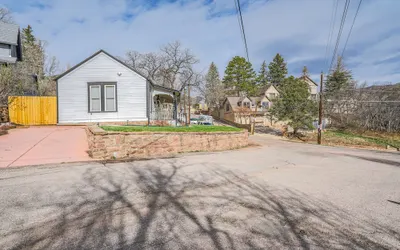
(298,29)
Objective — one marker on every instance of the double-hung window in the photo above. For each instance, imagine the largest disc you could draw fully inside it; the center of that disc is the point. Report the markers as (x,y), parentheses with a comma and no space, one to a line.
(109,98)
(102,97)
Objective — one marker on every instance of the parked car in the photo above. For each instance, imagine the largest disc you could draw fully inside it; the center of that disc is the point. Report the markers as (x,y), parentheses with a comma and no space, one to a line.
(194,120)
(205,120)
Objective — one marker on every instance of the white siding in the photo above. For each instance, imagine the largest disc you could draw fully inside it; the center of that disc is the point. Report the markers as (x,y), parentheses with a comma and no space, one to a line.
(73,92)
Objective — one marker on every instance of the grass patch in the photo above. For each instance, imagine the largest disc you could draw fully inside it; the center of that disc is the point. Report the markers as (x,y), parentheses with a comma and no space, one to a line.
(193,128)
(377,139)
(352,138)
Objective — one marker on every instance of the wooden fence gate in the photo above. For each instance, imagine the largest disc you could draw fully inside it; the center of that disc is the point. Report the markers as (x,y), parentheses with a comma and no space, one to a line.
(33,110)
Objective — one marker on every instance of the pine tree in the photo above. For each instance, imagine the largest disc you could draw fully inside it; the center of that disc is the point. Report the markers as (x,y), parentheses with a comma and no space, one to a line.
(214,90)
(305,72)
(33,62)
(277,70)
(339,78)
(240,76)
(294,105)
(28,37)
(262,78)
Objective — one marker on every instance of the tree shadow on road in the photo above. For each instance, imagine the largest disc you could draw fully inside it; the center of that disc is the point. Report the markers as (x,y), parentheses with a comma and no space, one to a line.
(377,160)
(167,206)
(268,130)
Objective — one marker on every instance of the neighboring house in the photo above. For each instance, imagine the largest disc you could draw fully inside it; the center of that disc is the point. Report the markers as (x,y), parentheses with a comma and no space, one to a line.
(10,43)
(238,109)
(312,87)
(229,107)
(104,89)
(268,94)
(199,108)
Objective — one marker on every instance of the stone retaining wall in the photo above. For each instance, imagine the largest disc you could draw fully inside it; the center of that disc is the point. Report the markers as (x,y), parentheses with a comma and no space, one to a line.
(140,145)
(4,114)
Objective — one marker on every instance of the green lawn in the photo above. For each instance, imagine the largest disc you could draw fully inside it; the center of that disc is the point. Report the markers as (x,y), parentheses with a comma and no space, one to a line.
(192,128)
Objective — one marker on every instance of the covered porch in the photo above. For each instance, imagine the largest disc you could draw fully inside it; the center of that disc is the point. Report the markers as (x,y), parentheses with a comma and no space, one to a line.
(163,104)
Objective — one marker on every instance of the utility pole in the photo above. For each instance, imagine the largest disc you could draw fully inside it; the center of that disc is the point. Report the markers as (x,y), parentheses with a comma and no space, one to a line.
(184,105)
(320,109)
(189,104)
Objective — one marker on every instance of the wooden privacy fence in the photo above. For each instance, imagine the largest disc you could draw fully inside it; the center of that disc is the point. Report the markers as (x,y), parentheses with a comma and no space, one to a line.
(33,110)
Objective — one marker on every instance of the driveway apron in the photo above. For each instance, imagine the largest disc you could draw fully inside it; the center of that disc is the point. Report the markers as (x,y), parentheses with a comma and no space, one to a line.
(43,145)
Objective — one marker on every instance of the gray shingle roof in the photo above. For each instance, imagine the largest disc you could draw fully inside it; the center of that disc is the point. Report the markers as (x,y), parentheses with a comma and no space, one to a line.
(263,89)
(255,99)
(9,33)
(233,100)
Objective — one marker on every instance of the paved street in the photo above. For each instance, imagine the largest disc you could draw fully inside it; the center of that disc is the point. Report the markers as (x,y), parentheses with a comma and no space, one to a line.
(278,195)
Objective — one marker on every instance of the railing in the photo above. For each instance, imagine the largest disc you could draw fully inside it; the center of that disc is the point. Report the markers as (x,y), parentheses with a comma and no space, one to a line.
(182,118)
(162,112)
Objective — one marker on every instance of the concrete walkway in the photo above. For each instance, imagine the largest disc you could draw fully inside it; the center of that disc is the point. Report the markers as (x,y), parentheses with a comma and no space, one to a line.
(42,145)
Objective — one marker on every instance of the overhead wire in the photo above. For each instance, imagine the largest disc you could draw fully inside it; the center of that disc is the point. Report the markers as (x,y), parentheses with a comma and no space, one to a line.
(352,25)
(331,29)
(342,22)
(241,26)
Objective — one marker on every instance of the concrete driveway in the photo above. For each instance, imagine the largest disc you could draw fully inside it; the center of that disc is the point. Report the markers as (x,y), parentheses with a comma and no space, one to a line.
(279,195)
(42,145)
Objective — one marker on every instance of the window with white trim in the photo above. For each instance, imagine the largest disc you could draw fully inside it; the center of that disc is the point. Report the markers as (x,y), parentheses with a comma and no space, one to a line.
(109,98)
(95,98)
(102,97)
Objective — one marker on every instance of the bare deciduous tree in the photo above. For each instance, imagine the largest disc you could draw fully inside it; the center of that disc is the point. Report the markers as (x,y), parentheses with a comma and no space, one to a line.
(5,15)
(366,107)
(47,85)
(171,67)
(7,86)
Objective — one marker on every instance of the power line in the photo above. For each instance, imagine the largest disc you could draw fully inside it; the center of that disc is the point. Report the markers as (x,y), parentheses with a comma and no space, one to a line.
(351,29)
(241,25)
(331,29)
(343,20)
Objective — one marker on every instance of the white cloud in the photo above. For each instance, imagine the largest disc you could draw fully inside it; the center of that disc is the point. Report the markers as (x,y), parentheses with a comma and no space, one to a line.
(296,29)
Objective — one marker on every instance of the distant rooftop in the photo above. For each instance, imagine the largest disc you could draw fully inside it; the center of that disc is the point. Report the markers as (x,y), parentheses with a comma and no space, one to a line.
(9,33)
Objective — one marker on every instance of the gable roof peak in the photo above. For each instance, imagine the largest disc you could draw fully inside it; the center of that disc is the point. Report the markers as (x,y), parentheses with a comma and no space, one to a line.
(305,77)
(117,60)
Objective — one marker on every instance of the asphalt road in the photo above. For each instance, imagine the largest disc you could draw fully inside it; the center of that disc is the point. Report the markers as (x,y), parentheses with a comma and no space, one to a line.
(279,195)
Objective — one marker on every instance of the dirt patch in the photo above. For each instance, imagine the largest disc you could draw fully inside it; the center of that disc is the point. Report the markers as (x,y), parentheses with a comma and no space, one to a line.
(367,140)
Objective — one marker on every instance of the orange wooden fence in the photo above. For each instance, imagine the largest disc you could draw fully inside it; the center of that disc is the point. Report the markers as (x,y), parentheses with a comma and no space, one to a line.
(33,110)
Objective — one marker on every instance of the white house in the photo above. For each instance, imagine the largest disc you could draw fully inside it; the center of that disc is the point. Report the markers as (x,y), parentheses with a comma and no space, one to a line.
(102,88)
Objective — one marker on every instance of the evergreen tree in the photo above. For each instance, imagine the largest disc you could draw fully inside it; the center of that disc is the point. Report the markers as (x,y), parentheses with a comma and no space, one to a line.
(277,70)
(262,78)
(305,72)
(214,90)
(240,76)
(339,78)
(28,37)
(33,62)
(294,105)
